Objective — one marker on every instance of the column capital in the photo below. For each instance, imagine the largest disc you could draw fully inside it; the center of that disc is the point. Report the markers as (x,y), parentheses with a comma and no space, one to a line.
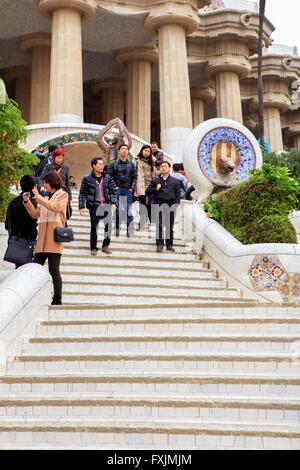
(15,72)
(109,83)
(206,92)
(130,54)
(86,8)
(228,55)
(32,40)
(174,12)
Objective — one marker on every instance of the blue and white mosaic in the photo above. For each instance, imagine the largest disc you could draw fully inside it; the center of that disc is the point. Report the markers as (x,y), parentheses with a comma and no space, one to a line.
(246,155)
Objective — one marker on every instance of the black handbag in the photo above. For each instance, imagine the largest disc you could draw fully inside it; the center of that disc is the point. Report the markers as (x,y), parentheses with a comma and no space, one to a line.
(19,250)
(63,234)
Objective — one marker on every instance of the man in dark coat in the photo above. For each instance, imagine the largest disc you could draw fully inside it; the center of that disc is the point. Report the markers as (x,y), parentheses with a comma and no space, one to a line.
(124,174)
(166,191)
(98,195)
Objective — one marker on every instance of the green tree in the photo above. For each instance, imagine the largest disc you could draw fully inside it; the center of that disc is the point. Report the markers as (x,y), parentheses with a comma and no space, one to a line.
(14,160)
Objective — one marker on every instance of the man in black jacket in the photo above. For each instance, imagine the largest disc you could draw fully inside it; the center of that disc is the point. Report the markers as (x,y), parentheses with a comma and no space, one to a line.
(166,191)
(124,174)
(98,194)
(18,222)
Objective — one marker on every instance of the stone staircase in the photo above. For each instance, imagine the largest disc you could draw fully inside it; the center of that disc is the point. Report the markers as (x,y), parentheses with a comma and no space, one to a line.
(153,351)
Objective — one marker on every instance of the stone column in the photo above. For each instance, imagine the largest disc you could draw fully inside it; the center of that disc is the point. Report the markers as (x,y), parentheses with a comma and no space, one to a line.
(39,45)
(297,142)
(22,76)
(229,63)
(273,131)
(200,95)
(173,21)
(276,101)
(92,112)
(112,92)
(66,84)
(138,97)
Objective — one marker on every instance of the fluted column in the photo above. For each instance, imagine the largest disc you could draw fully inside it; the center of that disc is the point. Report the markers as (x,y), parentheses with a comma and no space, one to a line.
(138,97)
(39,45)
(276,101)
(273,131)
(297,142)
(201,95)
(112,92)
(66,84)
(22,76)
(172,22)
(229,104)
(229,63)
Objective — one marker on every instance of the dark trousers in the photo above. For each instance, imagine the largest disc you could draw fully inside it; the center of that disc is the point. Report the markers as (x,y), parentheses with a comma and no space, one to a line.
(53,263)
(124,211)
(96,214)
(165,219)
(145,210)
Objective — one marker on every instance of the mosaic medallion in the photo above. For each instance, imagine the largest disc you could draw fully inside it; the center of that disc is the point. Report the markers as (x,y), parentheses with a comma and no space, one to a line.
(67,139)
(266,273)
(290,288)
(225,156)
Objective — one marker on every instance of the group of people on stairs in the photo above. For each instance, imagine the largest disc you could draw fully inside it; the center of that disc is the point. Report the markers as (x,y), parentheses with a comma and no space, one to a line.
(108,193)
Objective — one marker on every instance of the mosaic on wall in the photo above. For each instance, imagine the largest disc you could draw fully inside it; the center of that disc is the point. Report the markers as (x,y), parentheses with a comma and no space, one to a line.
(66,139)
(290,288)
(266,273)
(225,156)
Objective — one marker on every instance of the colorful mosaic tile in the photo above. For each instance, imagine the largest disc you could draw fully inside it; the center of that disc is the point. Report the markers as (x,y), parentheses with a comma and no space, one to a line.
(67,139)
(290,288)
(244,150)
(266,273)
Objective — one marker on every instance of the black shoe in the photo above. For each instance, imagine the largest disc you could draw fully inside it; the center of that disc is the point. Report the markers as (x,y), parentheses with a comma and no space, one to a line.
(56,301)
(117,233)
(170,248)
(159,249)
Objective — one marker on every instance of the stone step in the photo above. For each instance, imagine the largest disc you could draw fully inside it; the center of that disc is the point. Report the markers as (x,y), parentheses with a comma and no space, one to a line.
(175,409)
(93,267)
(167,325)
(155,384)
(119,288)
(154,260)
(99,434)
(71,297)
(84,238)
(163,342)
(142,281)
(150,361)
(133,254)
(173,311)
(84,246)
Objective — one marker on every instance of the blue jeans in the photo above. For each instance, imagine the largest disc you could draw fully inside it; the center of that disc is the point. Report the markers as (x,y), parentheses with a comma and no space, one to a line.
(124,212)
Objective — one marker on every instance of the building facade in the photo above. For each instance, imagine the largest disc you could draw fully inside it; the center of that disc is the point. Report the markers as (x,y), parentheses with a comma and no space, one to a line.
(161,66)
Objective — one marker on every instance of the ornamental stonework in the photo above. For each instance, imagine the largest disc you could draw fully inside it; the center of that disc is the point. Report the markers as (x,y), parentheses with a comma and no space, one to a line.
(266,273)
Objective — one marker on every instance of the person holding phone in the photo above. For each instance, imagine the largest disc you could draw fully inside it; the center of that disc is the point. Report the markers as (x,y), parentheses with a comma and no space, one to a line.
(51,212)
(18,222)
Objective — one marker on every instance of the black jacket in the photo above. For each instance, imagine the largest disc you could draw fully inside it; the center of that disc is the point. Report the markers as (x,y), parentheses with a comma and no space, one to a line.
(18,222)
(169,193)
(89,193)
(124,174)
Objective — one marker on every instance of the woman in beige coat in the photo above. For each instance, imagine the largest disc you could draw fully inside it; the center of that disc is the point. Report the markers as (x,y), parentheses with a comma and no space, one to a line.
(51,211)
(145,173)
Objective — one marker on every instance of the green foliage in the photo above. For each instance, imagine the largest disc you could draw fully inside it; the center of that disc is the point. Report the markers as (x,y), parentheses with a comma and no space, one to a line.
(211,207)
(14,160)
(256,211)
(290,160)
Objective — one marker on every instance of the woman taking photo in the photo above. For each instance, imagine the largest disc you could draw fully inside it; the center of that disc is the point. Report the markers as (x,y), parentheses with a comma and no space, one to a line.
(51,211)
(145,173)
